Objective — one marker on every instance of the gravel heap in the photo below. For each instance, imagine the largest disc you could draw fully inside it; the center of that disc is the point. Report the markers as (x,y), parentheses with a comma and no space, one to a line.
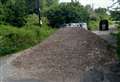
(64,56)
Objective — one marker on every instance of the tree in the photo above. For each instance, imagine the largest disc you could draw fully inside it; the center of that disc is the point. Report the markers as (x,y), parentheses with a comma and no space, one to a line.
(45,5)
(2,17)
(116,16)
(67,13)
(30,5)
(115,13)
(52,2)
(3,1)
(74,1)
(102,13)
(15,11)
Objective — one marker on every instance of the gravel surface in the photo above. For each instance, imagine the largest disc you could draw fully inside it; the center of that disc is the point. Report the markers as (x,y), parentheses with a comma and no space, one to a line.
(107,35)
(63,57)
(107,73)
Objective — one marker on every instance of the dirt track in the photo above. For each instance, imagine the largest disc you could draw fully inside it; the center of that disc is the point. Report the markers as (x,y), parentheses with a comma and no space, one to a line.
(63,57)
(108,35)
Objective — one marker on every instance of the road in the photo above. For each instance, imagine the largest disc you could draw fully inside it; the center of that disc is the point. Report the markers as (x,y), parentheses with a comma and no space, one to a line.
(6,68)
(107,35)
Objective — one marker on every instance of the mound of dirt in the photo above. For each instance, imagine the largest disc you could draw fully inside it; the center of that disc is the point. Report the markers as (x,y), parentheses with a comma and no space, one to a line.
(64,56)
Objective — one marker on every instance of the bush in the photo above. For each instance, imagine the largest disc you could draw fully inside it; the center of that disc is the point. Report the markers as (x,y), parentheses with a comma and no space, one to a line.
(32,19)
(19,22)
(14,39)
(93,25)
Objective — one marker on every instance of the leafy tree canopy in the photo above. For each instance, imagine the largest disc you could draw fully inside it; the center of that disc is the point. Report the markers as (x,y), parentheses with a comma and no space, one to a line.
(67,13)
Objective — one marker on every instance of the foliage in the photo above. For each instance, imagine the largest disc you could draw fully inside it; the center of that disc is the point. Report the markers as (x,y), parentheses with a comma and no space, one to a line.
(101,13)
(2,17)
(115,15)
(30,6)
(67,13)
(118,44)
(14,12)
(31,19)
(93,25)
(95,17)
(45,5)
(13,39)
(16,39)
(118,41)
(19,13)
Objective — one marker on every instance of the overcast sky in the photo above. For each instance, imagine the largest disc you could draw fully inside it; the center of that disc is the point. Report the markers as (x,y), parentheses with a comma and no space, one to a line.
(97,3)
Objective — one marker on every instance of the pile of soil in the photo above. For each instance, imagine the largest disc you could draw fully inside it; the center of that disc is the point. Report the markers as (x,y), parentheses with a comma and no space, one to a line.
(65,55)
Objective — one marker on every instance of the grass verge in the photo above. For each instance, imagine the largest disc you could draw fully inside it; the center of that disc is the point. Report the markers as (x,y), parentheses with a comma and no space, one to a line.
(13,39)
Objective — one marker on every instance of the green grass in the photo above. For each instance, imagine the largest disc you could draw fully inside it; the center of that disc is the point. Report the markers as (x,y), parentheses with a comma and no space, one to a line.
(13,39)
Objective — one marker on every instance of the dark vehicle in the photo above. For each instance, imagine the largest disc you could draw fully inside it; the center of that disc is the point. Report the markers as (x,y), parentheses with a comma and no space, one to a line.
(104,25)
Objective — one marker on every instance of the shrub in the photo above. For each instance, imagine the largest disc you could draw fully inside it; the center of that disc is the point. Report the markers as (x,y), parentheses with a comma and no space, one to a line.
(14,39)
(93,25)
(32,19)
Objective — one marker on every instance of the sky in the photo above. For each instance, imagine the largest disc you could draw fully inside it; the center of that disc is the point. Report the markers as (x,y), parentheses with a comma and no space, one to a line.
(96,3)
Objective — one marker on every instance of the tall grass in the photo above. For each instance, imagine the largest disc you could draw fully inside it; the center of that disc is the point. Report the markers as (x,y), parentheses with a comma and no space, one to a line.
(13,39)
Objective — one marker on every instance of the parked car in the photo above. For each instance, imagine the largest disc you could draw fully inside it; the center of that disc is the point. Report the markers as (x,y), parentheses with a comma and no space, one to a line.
(74,25)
